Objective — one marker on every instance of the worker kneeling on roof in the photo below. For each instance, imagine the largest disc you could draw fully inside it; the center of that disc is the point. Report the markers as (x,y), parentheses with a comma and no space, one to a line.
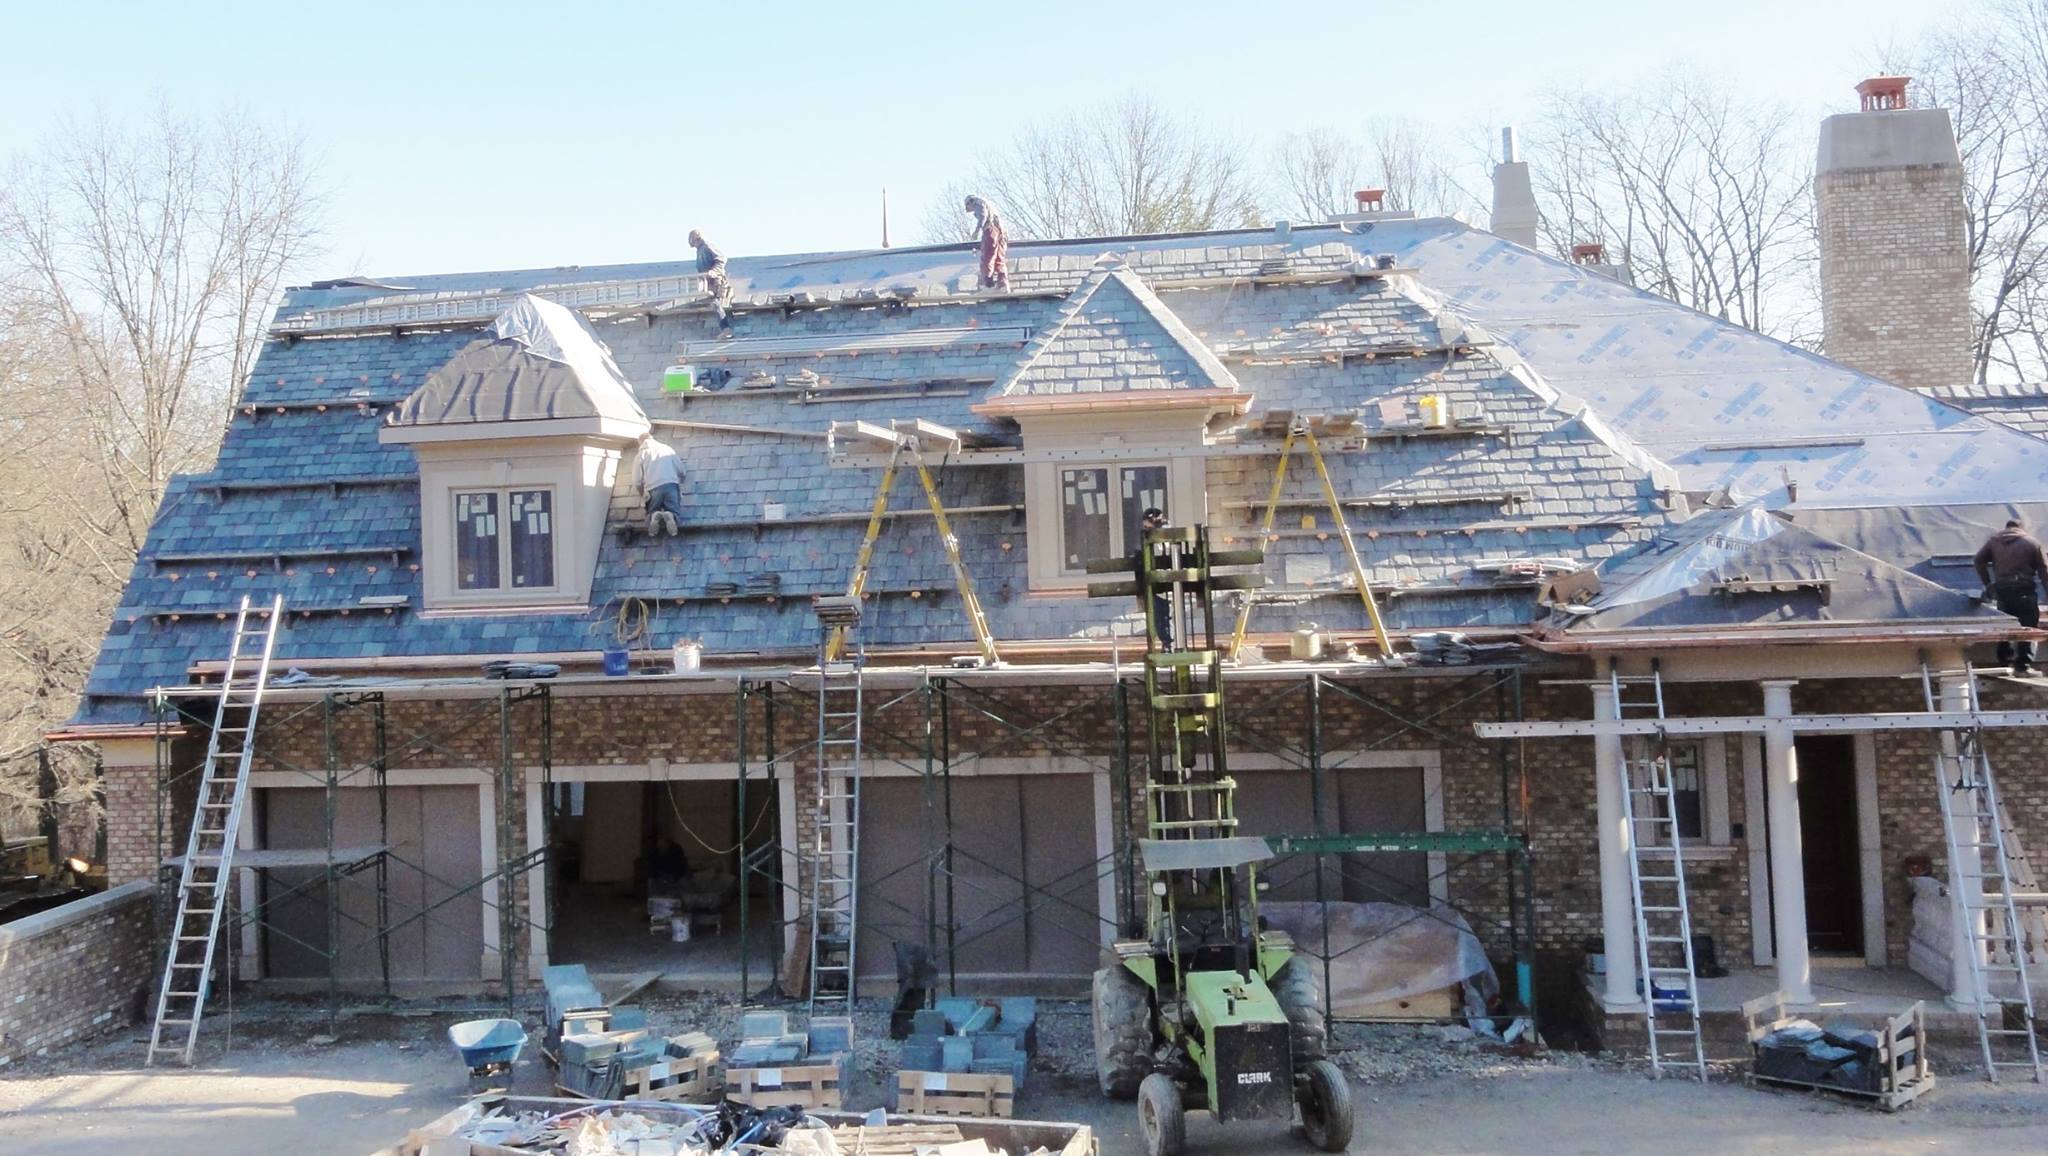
(661,486)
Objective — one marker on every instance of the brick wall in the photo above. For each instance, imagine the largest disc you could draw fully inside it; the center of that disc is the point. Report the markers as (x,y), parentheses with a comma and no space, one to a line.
(1039,721)
(74,971)
(1894,272)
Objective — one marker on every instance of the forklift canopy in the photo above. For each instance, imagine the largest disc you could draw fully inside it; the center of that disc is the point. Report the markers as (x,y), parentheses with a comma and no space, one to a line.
(1202,854)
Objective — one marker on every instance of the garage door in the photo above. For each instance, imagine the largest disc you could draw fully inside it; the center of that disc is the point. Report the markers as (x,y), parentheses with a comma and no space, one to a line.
(1354,799)
(1024,874)
(436,852)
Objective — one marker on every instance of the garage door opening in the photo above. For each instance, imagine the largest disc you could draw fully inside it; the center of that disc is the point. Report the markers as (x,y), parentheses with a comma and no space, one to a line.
(648,878)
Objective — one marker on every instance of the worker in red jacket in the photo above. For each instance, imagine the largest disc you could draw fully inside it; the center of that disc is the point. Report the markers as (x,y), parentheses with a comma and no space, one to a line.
(2008,564)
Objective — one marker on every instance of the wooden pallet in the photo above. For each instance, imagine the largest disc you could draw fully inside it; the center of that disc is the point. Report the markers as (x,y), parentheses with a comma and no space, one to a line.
(1903,1074)
(956,1093)
(684,1079)
(894,1139)
(805,1086)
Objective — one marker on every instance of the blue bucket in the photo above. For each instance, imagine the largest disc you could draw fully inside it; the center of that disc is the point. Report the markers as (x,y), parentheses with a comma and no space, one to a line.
(616,664)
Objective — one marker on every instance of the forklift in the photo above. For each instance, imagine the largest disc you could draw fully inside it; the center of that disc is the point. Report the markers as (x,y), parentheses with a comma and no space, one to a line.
(1209,1011)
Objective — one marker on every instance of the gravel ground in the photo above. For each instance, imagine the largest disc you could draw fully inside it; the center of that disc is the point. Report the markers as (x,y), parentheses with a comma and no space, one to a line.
(278,1084)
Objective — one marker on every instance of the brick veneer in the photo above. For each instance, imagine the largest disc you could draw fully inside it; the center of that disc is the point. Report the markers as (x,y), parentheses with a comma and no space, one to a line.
(632,729)
(74,971)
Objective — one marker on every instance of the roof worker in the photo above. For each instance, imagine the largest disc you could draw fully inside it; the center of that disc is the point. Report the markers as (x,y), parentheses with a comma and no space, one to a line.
(659,473)
(711,265)
(2007,564)
(1154,518)
(995,244)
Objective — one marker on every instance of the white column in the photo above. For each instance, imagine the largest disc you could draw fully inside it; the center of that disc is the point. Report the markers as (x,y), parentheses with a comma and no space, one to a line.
(1788,874)
(1617,897)
(1962,983)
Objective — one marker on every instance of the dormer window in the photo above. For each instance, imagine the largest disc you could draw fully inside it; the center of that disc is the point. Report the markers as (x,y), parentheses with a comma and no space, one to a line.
(512,550)
(520,436)
(1101,507)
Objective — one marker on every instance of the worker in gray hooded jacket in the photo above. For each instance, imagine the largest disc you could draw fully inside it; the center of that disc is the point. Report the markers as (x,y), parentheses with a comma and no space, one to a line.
(660,474)
(2008,564)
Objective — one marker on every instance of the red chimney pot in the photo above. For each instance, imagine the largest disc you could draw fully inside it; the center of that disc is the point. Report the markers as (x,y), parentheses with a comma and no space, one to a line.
(1371,200)
(1589,253)
(1881,93)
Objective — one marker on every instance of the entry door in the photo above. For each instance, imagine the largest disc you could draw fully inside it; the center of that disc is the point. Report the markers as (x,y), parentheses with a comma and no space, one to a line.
(1827,838)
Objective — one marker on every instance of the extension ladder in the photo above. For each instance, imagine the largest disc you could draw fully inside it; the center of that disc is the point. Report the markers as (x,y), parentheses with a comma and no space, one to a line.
(835,836)
(210,849)
(1663,915)
(1986,870)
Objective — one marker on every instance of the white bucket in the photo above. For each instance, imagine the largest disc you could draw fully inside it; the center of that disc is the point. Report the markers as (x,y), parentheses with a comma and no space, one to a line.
(689,657)
(679,929)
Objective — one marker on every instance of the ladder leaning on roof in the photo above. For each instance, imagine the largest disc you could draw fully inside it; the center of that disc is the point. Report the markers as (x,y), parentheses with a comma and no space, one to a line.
(1298,430)
(1987,870)
(835,831)
(1666,923)
(210,848)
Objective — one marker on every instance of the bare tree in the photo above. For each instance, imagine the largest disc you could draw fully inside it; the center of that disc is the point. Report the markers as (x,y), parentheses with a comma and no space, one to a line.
(1991,72)
(137,268)
(1317,171)
(1704,196)
(1125,169)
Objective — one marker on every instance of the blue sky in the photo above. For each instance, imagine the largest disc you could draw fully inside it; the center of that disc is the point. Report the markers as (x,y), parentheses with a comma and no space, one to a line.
(458,136)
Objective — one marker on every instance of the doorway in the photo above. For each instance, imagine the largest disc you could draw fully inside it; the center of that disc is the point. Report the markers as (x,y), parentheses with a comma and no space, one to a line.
(1828,825)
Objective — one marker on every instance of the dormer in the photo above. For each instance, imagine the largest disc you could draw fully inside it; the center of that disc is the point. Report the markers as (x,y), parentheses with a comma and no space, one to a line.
(1115,401)
(520,438)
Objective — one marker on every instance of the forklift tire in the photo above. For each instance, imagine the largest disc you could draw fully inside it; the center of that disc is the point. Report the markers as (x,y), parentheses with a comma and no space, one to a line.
(1326,1107)
(1294,987)
(1123,1031)
(1161,1116)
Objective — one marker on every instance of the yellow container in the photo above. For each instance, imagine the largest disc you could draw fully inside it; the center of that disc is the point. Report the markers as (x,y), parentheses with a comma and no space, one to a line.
(1436,413)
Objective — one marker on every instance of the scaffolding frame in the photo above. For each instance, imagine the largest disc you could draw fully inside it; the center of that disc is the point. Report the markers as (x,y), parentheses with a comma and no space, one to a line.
(372,866)
(914,724)
(928,748)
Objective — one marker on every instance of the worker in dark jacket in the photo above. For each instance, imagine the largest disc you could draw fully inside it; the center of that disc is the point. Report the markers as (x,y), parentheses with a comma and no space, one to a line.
(1154,518)
(2007,564)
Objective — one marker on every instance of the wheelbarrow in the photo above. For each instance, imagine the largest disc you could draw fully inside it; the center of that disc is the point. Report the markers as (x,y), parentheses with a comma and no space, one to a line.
(488,1048)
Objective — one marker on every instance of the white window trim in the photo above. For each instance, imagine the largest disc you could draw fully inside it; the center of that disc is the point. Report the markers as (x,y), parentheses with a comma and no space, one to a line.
(1715,829)
(461,595)
(1186,504)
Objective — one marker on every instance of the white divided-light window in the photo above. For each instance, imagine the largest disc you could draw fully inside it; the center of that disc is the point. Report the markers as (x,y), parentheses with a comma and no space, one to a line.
(505,539)
(1102,507)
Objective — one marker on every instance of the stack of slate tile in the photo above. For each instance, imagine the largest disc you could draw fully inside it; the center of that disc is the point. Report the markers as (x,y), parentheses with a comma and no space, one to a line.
(595,1064)
(767,1041)
(992,1036)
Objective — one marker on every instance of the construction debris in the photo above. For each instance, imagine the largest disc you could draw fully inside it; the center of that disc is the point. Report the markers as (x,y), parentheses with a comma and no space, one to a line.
(524,1126)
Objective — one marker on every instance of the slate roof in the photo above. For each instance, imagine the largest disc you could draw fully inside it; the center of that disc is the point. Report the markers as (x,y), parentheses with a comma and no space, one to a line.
(2022,405)
(1581,413)
(1112,335)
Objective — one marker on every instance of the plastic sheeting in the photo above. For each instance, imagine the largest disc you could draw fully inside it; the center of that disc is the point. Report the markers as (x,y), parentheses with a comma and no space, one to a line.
(537,361)
(1751,565)
(1381,952)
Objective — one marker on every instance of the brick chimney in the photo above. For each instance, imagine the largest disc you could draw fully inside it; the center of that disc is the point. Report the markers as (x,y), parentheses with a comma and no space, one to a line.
(1894,250)
(1514,201)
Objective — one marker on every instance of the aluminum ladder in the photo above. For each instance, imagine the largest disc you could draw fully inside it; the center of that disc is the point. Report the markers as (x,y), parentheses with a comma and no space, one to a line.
(835,833)
(1663,913)
(1986,867)
(210,848)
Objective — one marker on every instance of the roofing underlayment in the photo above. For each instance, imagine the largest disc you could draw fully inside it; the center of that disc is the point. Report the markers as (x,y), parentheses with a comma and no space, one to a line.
(1583,420)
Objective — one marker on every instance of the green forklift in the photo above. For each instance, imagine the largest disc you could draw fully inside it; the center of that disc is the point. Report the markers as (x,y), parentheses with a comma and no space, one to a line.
(1209,1011)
